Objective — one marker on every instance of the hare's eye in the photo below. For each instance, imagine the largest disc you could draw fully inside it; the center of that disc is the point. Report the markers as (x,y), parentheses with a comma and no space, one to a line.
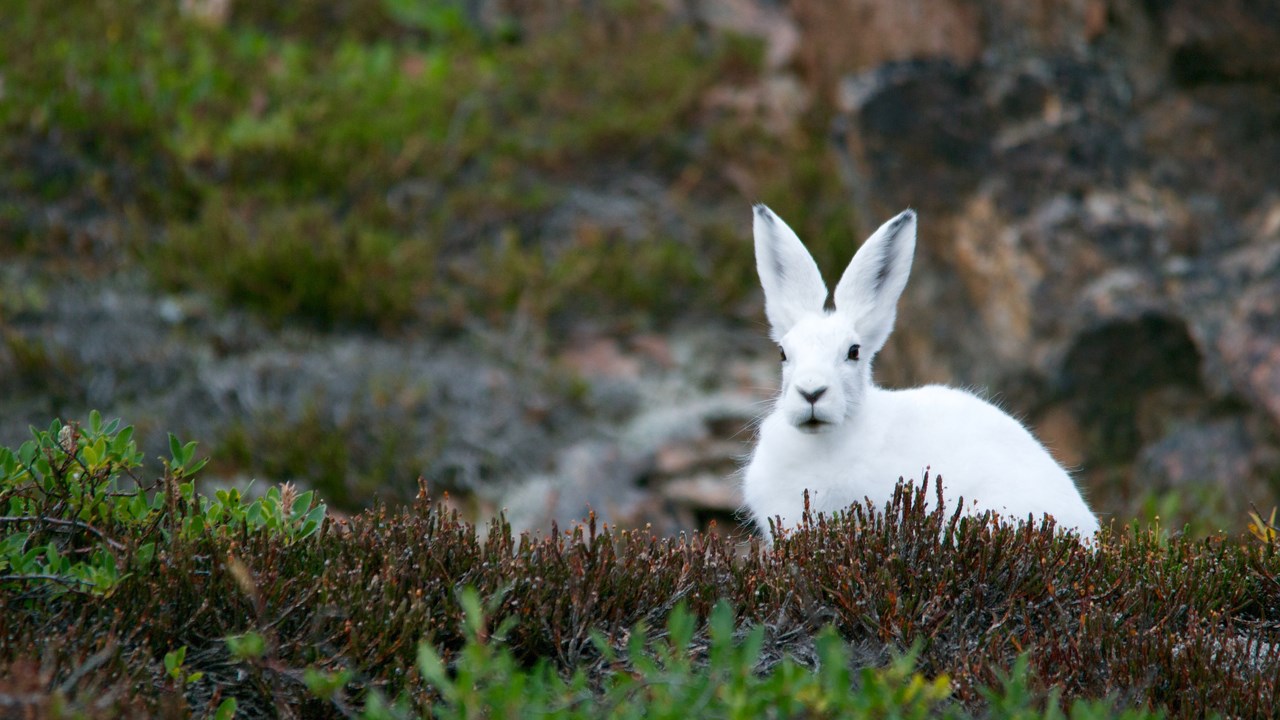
(853,352)
(784,354)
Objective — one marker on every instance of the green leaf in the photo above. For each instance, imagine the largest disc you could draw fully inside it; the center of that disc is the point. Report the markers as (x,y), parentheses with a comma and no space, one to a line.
(173,661)
(175,450)
(197,466)
(433,670)
(145,553)
(53,560)
(121,441)
(680,626)
(226,710)
(27,561)
(636,645)
(137,507)
(301,503)
(312,522)
(13,544)
(751,645)
(473,611)
(106,562)
(248,646)
(721,624)
(90,455)
(27,451)
(325,684)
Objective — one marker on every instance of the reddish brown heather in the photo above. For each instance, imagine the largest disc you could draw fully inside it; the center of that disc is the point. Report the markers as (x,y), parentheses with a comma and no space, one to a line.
(1190,626)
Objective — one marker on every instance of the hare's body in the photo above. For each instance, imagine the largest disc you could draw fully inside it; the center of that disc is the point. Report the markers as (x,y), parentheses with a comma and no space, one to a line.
(898,434)
(835,434)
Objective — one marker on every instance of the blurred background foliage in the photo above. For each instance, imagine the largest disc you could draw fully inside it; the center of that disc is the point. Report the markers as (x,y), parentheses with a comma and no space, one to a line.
(354,242)
(368,164)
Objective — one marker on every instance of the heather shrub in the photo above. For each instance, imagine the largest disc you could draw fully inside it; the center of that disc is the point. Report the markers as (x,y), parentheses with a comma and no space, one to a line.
(128,591)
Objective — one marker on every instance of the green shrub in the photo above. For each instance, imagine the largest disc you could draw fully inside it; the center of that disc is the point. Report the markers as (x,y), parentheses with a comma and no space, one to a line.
(713,676)
(78,518)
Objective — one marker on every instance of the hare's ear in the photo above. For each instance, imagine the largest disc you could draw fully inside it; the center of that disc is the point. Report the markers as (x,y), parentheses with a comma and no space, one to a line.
(875,278)
(792,284)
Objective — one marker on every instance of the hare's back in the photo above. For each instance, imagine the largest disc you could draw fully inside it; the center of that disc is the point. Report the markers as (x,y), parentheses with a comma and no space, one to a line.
(985,455)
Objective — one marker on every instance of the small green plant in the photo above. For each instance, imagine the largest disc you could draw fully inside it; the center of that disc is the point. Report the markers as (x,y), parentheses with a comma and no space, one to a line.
(666,680)
(57,492)
(78,514)
(249,646)
(1265,530)
(281,510)
(173,661)
(326,685)
(226,710)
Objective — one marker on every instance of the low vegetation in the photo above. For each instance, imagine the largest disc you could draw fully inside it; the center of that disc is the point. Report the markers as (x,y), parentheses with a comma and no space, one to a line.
(367,164)
(128,591)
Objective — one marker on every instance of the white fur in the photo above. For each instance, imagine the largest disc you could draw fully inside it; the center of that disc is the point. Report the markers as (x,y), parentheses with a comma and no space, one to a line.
(856,440)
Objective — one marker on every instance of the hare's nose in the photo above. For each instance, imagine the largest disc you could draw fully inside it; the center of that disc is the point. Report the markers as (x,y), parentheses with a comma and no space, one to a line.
(812,395)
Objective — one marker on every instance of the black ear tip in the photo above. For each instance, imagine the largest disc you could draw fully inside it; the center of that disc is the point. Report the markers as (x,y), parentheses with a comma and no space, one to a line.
(901,219)
(762,210)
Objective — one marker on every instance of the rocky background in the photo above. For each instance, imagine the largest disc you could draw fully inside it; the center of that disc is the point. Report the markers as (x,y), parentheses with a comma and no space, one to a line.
(1098,183)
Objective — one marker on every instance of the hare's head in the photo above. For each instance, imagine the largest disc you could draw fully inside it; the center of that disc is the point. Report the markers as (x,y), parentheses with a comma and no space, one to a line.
(826,354)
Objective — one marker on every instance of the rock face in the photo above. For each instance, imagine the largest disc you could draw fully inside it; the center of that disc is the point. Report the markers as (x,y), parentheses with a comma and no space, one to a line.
(1100,228)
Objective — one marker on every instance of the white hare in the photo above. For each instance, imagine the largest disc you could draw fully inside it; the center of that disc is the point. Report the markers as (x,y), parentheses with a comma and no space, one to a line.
(834,433)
